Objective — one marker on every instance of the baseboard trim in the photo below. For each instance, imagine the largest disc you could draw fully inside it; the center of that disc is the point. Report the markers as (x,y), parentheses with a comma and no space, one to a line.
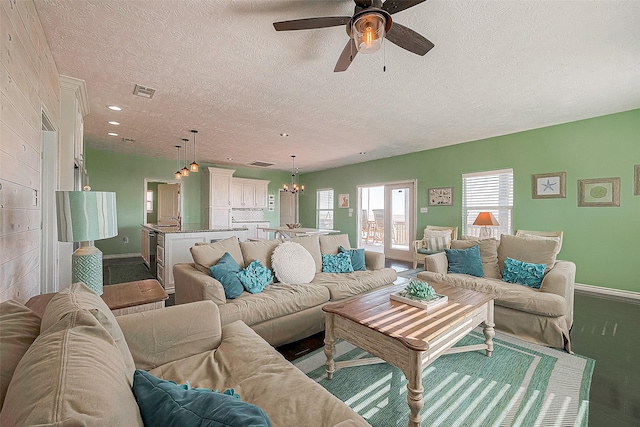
(628,296)
(114,256)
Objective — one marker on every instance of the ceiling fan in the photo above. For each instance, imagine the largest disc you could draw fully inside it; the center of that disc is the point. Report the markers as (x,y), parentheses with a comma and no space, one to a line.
(370,24)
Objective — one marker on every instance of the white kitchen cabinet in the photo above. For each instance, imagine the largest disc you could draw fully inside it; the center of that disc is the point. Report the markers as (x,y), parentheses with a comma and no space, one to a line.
(249,193)
(173,248)
(144,248)
(217,197)
(252,229)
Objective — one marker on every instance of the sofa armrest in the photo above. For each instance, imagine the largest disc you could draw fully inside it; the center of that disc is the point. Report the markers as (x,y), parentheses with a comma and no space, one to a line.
(436,263)
(374,260)
(161,336)
(193,285)
(560,280)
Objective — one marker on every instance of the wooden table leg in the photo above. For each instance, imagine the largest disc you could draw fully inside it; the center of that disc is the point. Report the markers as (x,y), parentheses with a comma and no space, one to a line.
(329,346)
(487,329)
(414,388)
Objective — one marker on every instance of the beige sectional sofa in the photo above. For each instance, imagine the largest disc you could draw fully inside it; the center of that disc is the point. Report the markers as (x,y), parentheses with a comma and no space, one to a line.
(283,312)
(75,365)
(543,316)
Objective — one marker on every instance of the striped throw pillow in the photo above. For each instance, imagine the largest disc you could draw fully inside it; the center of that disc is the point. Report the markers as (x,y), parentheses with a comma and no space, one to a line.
(437,240)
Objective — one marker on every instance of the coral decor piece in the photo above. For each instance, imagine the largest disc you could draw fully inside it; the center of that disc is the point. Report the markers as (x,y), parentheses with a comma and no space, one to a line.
(420,290)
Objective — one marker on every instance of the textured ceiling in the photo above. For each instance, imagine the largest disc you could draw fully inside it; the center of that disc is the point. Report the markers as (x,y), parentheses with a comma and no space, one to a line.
(219,66)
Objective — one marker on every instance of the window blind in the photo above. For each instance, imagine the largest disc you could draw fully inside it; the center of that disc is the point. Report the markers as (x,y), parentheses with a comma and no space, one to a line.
(490,191)
(324,209)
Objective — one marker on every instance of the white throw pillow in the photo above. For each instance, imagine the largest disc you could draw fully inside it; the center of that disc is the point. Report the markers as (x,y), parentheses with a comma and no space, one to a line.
(437,240)
(293,264)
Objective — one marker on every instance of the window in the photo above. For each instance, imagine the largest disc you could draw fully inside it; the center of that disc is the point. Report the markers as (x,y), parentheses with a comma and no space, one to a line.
(490,191)
(324,210)
(149,201)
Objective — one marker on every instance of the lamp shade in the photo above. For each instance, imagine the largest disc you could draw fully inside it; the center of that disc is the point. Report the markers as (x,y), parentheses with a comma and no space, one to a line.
(486,219)
(86,215)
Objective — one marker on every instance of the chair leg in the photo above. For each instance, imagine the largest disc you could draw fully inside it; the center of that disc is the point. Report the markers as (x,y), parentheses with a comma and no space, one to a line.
(415,263)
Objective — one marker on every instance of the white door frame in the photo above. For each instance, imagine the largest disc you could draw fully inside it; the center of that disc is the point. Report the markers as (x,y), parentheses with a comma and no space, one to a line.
(389,250)
(161,181)
(49,253)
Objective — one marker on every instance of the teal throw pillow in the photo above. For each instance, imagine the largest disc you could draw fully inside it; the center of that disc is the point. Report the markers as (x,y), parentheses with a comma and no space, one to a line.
(226,272)
(465,261)
(523,273)
(255,277)
(164,403)
(357,258)
(338,263)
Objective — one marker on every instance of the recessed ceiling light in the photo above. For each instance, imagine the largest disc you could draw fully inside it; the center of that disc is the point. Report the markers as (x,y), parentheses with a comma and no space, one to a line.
(284,134)
(363,153)
(114,123)
(112,134)
(114,107)
(229,158)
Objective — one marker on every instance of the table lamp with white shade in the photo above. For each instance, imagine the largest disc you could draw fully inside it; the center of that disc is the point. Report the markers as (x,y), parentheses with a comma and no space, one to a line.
(85,216)
(486,220)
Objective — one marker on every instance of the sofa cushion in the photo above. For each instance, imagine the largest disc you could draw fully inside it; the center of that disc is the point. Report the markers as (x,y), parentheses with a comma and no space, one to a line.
(465,261)
(437,240)
(78,296)
(523,273)
(330,244)
(337,263)
(164,402)
(292,263)
(72,375)
(260,375)
(520,298)
(204,256)
(311,244)
(261,250)
(19,327)
(277,300)
(226,272)
(488,254)
(357,258)
(255,277)
(343,285)
(527,249)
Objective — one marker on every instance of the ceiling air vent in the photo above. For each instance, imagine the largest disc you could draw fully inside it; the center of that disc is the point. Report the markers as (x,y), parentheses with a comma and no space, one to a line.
(261,164)
(143,91)
(129,140)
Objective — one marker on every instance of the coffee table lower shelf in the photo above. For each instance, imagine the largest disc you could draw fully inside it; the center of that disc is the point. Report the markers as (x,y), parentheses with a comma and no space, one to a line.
(407,337)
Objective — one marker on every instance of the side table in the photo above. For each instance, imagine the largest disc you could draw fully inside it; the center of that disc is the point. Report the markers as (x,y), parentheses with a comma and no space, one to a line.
(122,298)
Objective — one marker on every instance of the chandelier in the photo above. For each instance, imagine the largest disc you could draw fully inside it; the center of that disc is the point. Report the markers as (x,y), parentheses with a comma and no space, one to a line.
(293,187)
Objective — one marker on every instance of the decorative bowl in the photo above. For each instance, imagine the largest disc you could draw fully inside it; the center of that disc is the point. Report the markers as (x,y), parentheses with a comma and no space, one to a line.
(296,225)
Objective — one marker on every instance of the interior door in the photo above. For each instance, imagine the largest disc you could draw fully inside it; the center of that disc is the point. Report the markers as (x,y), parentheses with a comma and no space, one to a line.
(399,220)
(168,203)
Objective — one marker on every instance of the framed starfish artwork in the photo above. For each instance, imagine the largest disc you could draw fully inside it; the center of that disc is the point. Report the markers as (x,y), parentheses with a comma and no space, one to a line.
(549,185)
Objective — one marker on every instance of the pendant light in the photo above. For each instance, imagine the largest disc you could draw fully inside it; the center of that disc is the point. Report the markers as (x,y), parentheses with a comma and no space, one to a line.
(179,172)
(294,188)
(185,170)
(194,166)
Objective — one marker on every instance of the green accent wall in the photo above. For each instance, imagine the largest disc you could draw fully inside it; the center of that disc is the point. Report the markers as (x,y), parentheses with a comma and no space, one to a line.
(125,174)
(604,242)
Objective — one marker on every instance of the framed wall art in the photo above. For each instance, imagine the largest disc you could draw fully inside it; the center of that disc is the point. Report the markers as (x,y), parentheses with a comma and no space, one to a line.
(599,192)
(343,200)
(549,185)
(441,196)
(636,180)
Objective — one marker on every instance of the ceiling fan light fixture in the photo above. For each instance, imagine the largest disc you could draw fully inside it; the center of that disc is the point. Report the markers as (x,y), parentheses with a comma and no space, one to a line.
(368,31)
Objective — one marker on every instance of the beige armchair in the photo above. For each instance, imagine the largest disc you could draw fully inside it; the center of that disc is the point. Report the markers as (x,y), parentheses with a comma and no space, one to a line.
(418,257)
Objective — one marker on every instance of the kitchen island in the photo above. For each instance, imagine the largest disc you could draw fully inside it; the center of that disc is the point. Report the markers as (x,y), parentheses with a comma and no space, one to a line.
(166,245)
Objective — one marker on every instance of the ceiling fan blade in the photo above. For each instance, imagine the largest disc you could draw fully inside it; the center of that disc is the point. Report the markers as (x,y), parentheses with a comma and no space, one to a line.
(346,57)
(311,23)
(395,6)
(408,39)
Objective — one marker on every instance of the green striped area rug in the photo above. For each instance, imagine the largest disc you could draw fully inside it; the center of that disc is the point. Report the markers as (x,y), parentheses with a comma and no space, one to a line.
(521,384)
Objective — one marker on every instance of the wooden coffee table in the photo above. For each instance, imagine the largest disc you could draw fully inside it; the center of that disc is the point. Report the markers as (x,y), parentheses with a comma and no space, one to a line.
(407,337)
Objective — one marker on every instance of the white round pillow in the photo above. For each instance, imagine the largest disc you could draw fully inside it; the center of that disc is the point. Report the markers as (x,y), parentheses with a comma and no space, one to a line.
(293,264)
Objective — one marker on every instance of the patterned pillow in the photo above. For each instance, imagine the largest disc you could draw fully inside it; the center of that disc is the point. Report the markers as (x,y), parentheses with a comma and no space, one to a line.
(338,263)
(357,258)
(523,273)
(437,240)
(255,277)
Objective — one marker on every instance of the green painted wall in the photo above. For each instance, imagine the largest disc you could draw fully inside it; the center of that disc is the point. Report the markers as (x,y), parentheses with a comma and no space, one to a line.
(603,242)
(125,174)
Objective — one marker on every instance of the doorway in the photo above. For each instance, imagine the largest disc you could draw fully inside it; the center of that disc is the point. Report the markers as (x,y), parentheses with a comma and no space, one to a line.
(162,200)
(288,208)
(387,218)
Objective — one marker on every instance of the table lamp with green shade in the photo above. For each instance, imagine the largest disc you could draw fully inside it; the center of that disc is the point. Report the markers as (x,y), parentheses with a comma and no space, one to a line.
(85,216)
